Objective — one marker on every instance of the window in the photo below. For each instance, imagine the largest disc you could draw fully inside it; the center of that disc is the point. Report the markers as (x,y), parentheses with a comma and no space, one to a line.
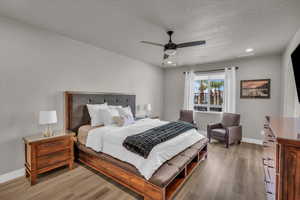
(209,92)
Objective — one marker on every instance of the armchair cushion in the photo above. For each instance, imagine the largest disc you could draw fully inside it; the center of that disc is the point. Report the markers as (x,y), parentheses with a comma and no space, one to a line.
(218,132)
(213,126)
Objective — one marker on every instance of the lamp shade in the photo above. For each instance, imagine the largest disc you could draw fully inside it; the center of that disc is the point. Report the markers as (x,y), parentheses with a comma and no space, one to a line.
(148,107)
(48,117)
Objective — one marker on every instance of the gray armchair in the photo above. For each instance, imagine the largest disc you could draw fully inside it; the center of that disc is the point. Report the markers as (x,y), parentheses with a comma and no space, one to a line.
(228,130)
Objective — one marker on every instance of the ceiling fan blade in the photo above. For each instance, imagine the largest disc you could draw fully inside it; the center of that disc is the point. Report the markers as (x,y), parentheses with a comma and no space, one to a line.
(190,44)
(152,43)
(166,56)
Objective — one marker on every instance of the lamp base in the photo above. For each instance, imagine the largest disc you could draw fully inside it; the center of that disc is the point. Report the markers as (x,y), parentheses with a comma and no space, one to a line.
(48,132)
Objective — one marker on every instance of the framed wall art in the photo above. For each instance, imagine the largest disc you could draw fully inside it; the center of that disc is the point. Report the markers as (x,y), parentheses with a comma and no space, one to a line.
(256,89)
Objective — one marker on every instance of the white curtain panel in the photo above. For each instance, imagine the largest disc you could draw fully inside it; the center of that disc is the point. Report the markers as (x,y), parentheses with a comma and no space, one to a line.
(230,90)
(188,103)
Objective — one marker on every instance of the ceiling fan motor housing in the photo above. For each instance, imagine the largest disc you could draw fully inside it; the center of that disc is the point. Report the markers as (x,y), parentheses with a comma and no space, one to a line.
(170,48)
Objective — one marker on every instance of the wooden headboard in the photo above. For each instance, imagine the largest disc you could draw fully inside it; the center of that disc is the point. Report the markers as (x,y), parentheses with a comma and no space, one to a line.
(76,113)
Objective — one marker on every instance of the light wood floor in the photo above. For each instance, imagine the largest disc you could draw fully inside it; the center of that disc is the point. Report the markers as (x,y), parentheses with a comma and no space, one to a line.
(228,174)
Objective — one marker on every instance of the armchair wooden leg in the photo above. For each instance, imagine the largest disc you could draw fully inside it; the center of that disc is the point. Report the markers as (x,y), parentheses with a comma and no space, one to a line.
(227,144)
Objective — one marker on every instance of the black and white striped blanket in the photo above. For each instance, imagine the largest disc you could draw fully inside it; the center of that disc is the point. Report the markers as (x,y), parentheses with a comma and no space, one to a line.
(144,142)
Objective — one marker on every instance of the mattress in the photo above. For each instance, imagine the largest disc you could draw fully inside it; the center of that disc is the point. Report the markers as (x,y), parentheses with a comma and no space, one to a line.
(164,175)
(83,132)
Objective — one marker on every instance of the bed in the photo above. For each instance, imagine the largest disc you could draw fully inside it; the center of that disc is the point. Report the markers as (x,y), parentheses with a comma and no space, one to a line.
(161,178)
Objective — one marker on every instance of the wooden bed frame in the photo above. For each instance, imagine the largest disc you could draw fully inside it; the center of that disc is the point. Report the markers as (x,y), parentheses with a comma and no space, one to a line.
(118,174)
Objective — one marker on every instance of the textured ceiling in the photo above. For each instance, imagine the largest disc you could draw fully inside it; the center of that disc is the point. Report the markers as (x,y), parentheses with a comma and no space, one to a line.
(229,26)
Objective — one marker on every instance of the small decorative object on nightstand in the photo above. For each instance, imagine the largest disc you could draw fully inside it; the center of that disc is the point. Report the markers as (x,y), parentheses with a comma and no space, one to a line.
(48,118)
(43,154)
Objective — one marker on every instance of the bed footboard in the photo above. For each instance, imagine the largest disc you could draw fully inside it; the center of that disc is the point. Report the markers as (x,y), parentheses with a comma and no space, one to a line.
(138,184)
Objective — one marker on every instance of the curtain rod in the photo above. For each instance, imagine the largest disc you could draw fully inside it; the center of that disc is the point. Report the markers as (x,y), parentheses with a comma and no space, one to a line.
(212,70)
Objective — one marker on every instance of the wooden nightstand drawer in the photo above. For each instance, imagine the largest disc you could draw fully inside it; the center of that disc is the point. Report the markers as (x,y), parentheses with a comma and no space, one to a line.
(53,158)
(53,146)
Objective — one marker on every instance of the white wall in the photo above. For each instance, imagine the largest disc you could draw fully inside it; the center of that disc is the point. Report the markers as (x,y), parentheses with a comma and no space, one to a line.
(289,103)
(36,66)
(252,111)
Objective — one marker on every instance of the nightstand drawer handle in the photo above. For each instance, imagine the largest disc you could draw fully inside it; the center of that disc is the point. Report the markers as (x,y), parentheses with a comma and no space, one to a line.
(54,155)
(50,144)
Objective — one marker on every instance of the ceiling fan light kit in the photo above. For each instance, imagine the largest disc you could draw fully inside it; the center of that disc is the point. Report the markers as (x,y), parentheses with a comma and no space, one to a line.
(170,48)
(170,61)
(170,52)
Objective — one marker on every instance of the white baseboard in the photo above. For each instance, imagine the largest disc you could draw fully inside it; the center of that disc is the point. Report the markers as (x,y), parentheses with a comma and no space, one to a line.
(252,141)
(12,175)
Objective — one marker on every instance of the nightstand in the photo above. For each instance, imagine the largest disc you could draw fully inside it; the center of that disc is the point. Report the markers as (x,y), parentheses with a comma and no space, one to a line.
(43,154)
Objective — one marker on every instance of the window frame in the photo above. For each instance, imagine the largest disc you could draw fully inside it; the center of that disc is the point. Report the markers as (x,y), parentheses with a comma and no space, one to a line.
(209,77)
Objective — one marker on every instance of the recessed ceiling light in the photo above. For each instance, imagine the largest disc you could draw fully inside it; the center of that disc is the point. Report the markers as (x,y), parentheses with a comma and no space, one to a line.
(249,50)
(169,62)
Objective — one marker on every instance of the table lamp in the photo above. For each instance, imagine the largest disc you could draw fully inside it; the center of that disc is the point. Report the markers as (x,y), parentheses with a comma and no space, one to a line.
(148,109)
(48,118)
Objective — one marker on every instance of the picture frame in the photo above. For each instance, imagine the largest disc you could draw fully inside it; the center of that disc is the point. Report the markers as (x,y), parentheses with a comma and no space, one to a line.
(255,89)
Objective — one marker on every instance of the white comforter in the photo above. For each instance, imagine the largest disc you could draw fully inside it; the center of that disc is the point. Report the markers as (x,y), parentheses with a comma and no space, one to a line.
(109,140)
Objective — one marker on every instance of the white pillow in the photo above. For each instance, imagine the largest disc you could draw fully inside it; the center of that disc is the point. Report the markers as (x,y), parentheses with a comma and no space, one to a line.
(96,118)
(125,111)
(108,115)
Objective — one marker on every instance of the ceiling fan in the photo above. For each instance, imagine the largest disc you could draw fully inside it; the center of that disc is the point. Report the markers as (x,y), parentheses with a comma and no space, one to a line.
(170,48)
